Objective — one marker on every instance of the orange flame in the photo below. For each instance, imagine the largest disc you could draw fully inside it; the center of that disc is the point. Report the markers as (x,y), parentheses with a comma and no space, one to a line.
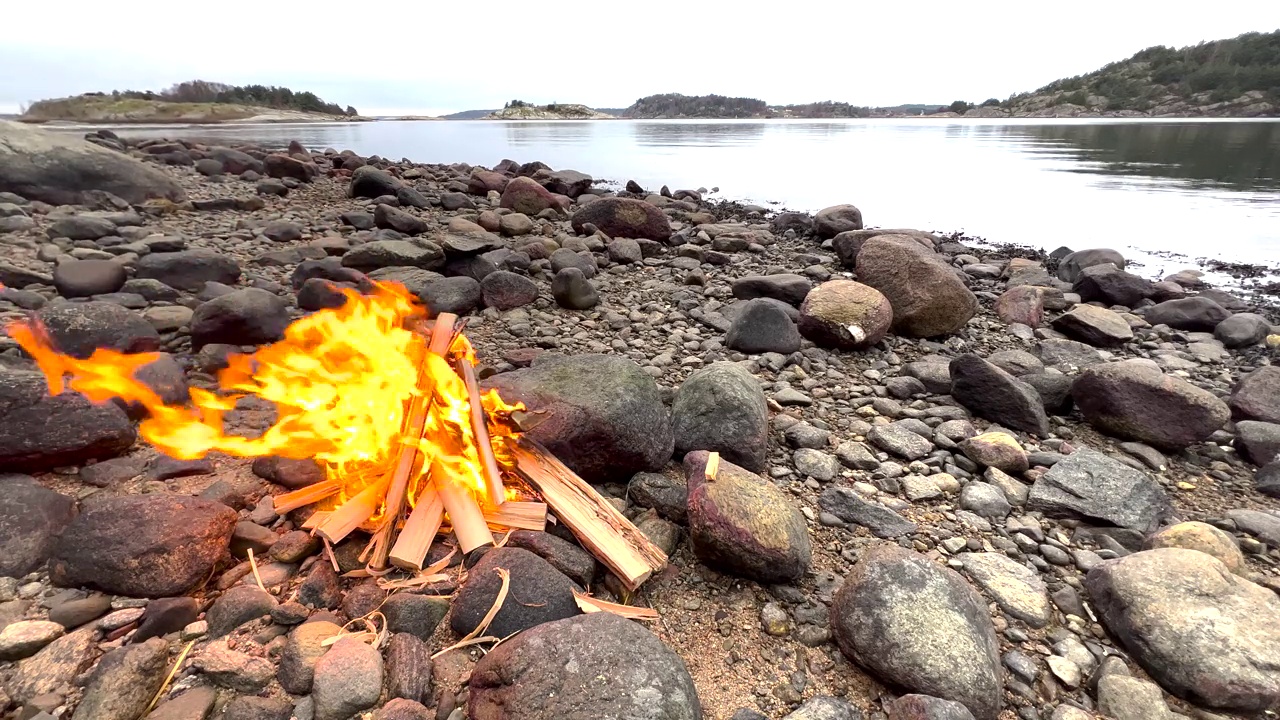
(341,381)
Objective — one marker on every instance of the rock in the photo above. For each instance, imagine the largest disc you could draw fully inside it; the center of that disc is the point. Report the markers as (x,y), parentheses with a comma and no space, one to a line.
(504,290)
(25,638)
(845,315)
(1242,330)
(836,219)
(567,182)
(622,217)
(1128,698)
(83,278)
(236,607)
(1257,395)
(525,195)
(762,327)
(998,450)
(994,394)
(279,165)
(233,669)
(166,615)
(566,258)
(386,216)
(844,504)
(78,329)
(124,682)
(625,251)
(400,709)
(39,431)
(1267,479)
(348,679)
(924,707)
(143,545)
(786,287)
(290,473)
(321,588)
(282,231)
(1258,442)
(1135,401)
(31,519)
(605,418)
(607,667)
(928,299)
(74,613)
(1193,313)
(188,269)
(417,615)
(62,169)
(1022,304)
(55,667)
(258,708)
(743,524)
(394,253)
(1265,526)
(1091,485)
(408,668)
(457,295)
(1068,355)
(1111,286)
(1017,589)
(577,564)
(1094,325)
(900,441)
(816,464)
(919,626)
(667,494)
(1203,633)
(572,290)
(244,317)
(168,318)
(194,704)
(1204,538)
(722,408)
(988,501)
(302,650)
(545,594)
(1070,267)
(370,182)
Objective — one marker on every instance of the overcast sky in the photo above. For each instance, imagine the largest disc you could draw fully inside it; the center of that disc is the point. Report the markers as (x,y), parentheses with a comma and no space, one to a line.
(435,57)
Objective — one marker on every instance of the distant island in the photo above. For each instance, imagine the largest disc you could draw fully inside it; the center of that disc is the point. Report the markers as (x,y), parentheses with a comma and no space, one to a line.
(521,110)
(194,101)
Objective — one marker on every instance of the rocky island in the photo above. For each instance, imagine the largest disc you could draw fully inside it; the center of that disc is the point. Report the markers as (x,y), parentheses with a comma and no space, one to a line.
(195,101)
(955,482)
(521,110)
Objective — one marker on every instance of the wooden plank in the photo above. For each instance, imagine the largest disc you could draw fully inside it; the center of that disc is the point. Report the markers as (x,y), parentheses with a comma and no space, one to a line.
(419,531)
(464,514)
(494,490)
(713,466)
(517,515)
(604,531)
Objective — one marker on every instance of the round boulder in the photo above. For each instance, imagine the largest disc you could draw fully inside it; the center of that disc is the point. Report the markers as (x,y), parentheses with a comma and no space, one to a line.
(525,195)
(1204,538)
(743,524)
(503,290)
(830,222)
(83,278)
(846,315)
(1257,395)
(928,298)
(1070,267)
(606,667)
(722,408)
(78,329)
(623,217)
(1239,330)
(605,417)
(1135,401)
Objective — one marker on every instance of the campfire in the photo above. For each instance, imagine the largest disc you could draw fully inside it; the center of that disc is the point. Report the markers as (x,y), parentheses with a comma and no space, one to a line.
(387,401)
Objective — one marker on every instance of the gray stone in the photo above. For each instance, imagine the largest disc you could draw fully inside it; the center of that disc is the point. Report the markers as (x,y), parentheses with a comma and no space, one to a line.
(824,707)
(188,269)
(606,667)
(1018,591)
(416,615)
(1072,265)
(55,667)
(348,679)
(1242,330)
(896,439)
(921,627)
(761,327)
(302,649)
(1092,485)
(394,253)
(571,289)
(996,395)
(1203,633)
(78,329)
(1128,698)
(1094,325)
(845,504)
(928,299)
(1135,401)
(31,519)
(545,593)
(236,607)
(787,287)
(250,316)
(25,638)
(722,408)
(124,682)
(985,500)
(1194,313)
(1257,395)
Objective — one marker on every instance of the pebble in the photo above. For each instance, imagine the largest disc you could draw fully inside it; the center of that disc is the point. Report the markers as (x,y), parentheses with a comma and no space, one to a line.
(25,638)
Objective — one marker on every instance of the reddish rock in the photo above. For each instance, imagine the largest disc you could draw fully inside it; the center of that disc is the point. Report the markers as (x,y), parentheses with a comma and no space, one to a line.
(1022,304)
(525,195)
(624,217)
(283,166)
(482,181)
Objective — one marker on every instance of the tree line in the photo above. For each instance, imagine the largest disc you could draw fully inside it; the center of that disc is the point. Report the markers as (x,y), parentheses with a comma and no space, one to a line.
(270,96)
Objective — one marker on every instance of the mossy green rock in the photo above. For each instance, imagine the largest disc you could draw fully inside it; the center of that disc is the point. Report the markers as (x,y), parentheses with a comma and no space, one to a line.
(743,524)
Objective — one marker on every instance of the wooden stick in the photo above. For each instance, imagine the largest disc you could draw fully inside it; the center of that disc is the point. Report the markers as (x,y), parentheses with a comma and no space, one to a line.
(441,339)
(352,513)
(464,514)
(518,515)
(713,466)
(607,533)
(419,531)
(315,520)
(494,490)
(306,496)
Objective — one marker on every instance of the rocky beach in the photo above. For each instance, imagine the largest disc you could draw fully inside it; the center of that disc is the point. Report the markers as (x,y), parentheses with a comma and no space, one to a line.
(956,482)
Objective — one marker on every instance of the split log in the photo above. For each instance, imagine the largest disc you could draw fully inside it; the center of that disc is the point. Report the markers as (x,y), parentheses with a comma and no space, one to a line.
(306,496)
(494,491)
(517,515)
(419,531)
(352,513)
(713,466)
(607,533)
(464,514)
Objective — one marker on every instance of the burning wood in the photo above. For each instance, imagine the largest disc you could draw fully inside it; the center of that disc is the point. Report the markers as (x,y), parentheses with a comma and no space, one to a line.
(394,415)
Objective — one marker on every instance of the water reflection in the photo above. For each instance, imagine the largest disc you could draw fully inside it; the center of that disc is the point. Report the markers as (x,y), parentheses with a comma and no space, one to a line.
(696,134)
(1239,156)
(525,133)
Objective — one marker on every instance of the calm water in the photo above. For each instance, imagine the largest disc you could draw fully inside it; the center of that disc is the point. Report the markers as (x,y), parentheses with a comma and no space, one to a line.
(1194,189)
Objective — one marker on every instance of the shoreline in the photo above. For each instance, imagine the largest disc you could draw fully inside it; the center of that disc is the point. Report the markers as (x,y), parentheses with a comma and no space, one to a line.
(926,441)
(81,124)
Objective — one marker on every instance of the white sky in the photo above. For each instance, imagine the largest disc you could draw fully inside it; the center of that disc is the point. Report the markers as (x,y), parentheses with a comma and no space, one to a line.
(433,56)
